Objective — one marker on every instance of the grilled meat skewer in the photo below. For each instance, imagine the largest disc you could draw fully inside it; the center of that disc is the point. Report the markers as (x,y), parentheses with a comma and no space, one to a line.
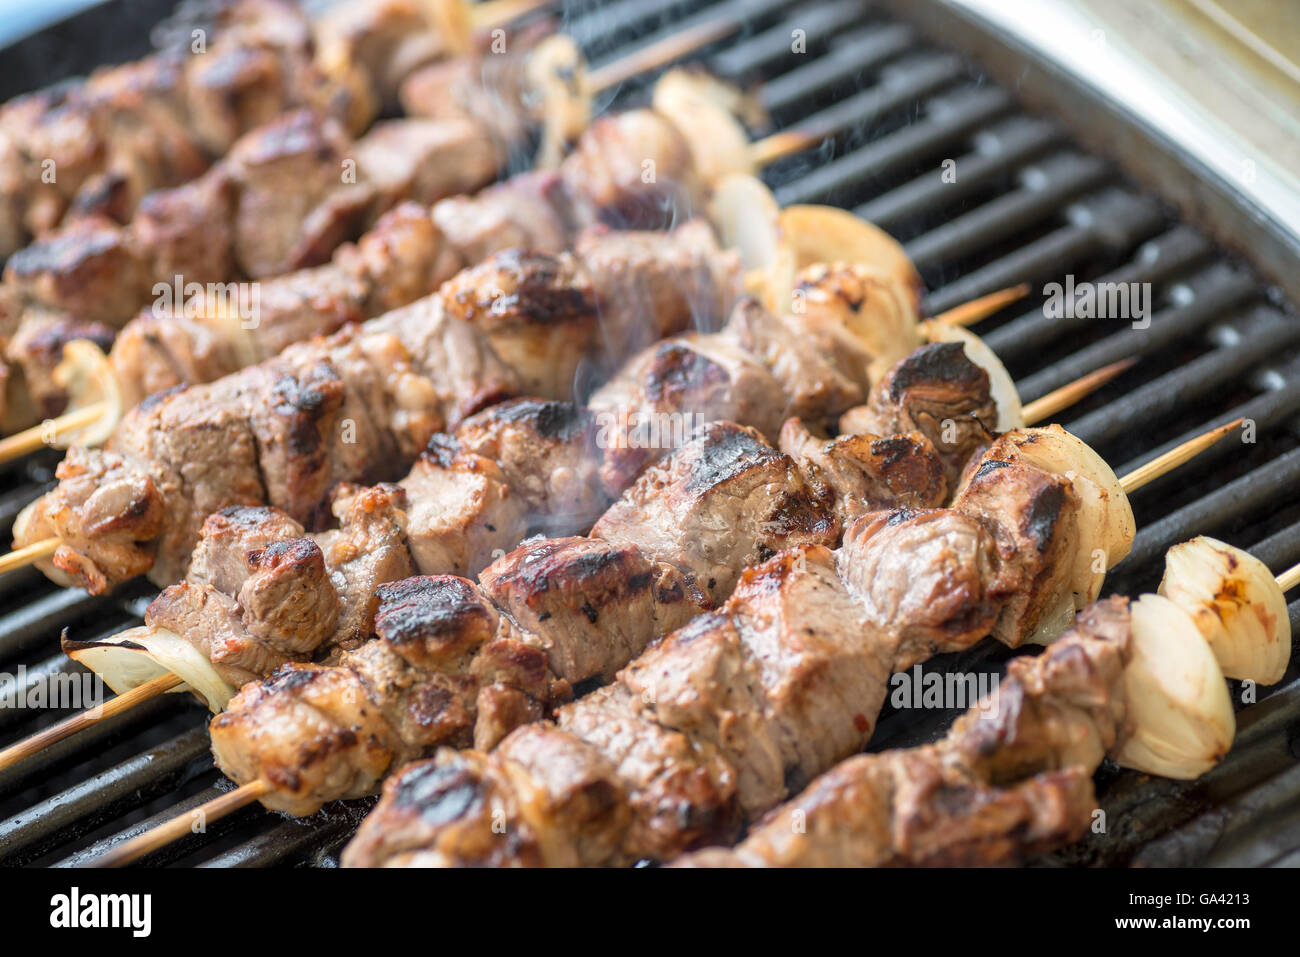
(544,212)
(357,406)
(158,121)
(1013,776)
(529,465)
(540,590)
(286,195)
(720,720)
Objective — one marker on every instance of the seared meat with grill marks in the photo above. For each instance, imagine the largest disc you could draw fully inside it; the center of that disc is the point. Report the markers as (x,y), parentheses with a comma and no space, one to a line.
(253,597)
(352,408)
(726,500)
(398,261)
(84,270)
(1003,785)
(157,121)
(606,173)
(939,392)
(526,305)
(861,471)
(662,554)
(643,411)
(719,721)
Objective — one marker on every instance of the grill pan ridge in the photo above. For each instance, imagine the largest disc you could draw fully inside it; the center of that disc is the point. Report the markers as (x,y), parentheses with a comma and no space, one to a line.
(1028,204)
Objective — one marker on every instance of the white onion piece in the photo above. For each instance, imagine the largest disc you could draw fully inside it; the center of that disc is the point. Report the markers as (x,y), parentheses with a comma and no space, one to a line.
(826,234)
(1055,622)
(1002,387)
(747,218)
(1106,523)
(703,110)
(1235,602)
(138,655)
(1178,715)
(558,92)
(85,374)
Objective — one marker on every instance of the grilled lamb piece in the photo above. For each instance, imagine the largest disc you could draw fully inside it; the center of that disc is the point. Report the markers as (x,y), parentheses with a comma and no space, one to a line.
(860,472)
(665,391)
(527,305)
(939,392)
(424,160)
(606,174)
(655,284)
(398,261)
(525,211)
(388,39)
(659,556)
(1003,785)
(724,501)
(293,203)
(86,270)
(36,350)
(188,231)
(354,406)
(367,550)
(257,594)
(546,453)
(719,721)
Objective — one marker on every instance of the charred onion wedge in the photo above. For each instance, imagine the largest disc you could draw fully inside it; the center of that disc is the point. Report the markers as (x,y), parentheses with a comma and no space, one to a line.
(1237,606)
(137,655)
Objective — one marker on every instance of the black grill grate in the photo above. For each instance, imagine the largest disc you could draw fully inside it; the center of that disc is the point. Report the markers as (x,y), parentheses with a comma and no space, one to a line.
(1027,205)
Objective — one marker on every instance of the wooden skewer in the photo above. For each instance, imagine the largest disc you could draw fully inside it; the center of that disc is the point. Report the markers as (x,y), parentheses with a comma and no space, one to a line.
(969,313)
(29,440)
(29,555)
(152,840)
(65,729)
(659,54)
(785,143)
(1175,457)
(1289,578)
(1070,393)
(246,794)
